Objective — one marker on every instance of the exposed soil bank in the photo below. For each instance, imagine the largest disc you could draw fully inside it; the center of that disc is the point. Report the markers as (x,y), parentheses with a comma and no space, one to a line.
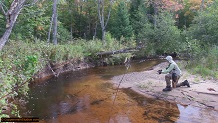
(52,70)
(202,93)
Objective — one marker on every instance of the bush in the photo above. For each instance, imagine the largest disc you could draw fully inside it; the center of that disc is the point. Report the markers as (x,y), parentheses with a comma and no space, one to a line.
(204,25)
(205,62)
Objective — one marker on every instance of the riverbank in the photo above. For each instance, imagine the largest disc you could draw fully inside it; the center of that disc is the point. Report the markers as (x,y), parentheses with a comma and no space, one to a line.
(202,93)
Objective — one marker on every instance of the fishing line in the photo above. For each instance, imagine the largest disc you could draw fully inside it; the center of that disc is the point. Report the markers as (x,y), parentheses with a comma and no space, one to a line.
(127,65)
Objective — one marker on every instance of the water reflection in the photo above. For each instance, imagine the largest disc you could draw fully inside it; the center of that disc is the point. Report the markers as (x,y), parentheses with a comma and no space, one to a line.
(197,115)
(88,96)
(155,110)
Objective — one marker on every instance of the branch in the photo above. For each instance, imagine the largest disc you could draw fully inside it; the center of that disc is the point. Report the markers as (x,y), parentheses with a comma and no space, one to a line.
(108,14)
(49,33)
(99,11)
(117,51)
(53,72)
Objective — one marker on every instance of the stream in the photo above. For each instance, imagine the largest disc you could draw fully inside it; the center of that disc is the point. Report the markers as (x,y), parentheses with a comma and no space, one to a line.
(88,96)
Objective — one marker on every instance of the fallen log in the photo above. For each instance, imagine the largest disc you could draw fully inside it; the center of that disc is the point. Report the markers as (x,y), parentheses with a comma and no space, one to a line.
(118,51)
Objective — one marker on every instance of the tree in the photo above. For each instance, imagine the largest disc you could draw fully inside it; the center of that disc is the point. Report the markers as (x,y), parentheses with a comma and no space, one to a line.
(167,35)
(143,25)
(205,24)
(55,25)
(134,19)
(186,15)
(164,5)
(34,19)
(79,18)
(11,16)
(122,26)
(101,12)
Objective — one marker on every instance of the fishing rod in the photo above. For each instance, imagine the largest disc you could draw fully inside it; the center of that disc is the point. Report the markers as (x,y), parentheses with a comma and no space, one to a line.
(127,65)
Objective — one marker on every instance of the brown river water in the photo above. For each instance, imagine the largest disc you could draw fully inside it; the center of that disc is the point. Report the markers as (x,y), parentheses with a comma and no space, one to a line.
(88,96)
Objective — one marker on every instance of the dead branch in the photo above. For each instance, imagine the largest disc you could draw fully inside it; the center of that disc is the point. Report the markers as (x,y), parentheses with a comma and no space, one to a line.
(53,72)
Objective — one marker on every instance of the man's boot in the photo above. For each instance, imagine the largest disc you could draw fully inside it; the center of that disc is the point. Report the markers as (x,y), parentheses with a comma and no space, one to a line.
(168,88)
(186,83)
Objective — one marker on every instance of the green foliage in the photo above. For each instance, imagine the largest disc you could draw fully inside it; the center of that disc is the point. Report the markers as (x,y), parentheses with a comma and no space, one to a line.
(202,38)
(32,23)
(122,26)
(80,18)
(205,62)
(186,15)
(167,35)
(205,24)
(18,65)
(109,40)
(63,34)
(144,27)
(150,50)
(117,58)
(134,19)
(30,63)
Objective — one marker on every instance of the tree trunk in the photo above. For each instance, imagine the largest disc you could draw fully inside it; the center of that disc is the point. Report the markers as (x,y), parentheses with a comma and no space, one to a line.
(11,17)
(95,30)
(103,34)
(71,25)
(201,9)
(101,17)
(155,14)
(71,31)
(202,5)
(50,28)
(6,35)
(55,22)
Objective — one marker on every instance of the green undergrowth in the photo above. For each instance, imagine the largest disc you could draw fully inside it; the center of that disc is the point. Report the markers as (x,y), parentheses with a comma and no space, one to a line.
(205,64)
(20,60)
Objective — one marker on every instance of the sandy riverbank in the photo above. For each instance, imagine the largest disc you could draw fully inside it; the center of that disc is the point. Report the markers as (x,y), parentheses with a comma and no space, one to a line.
(202,93)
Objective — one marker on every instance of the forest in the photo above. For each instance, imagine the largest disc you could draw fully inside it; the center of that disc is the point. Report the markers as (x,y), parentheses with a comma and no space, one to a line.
(35,33)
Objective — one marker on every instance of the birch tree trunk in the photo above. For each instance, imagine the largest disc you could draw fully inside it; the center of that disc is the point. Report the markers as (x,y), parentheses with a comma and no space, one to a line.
(11,17)
(101,17)
(95,30)
(50,28)
(55,22)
